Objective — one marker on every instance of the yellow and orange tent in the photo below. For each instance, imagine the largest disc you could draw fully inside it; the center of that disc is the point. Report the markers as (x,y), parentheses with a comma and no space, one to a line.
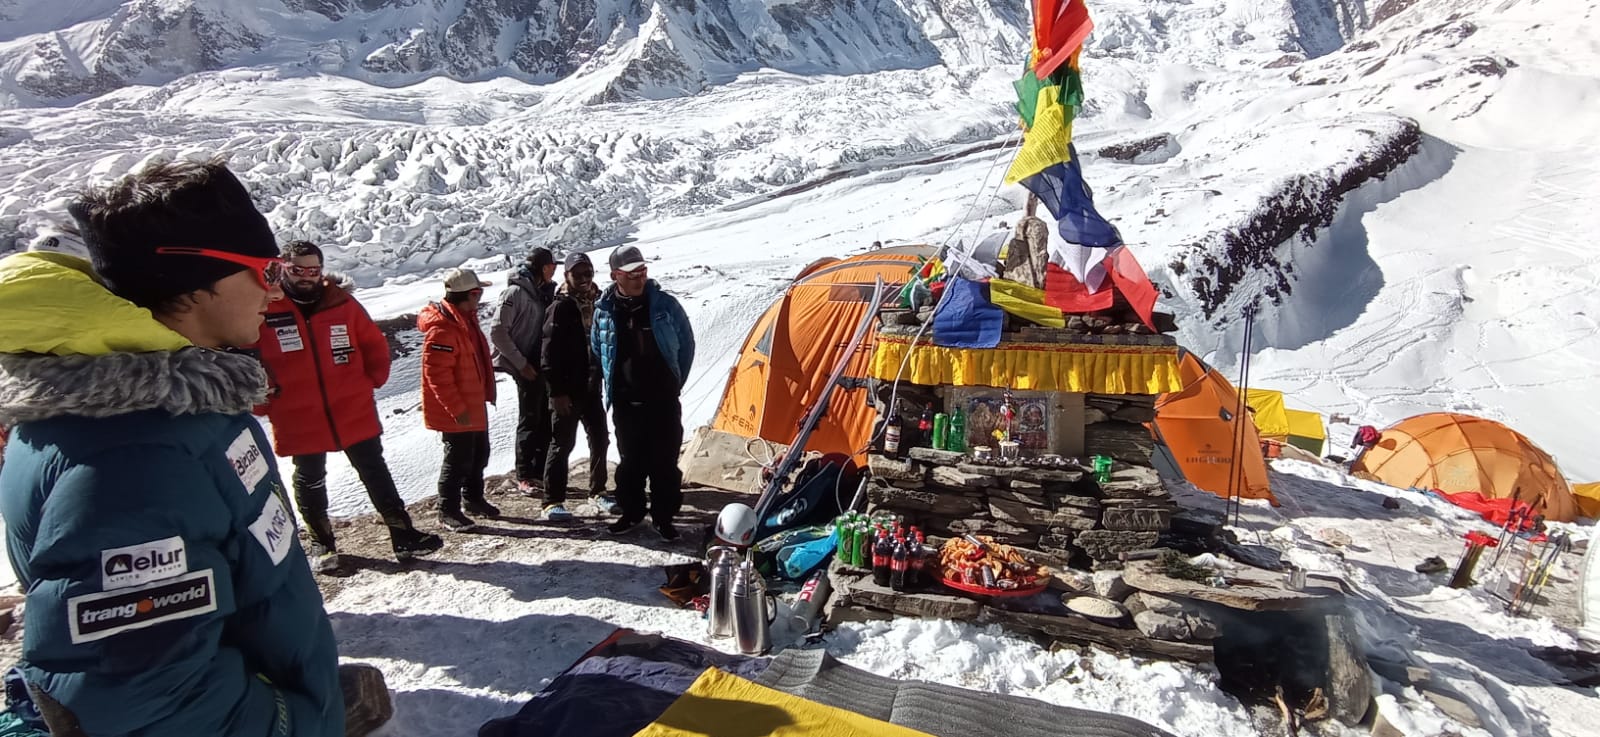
(1587,497)
(1456,453)
(795,344)
(1195,430)
(1276,421)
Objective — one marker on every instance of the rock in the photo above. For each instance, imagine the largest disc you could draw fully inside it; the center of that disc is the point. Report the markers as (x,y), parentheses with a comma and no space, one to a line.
(1349,685)
(1453,706)
(1029,516)
(1058,541)
(1251,589)
(1094,415)
(1333,536)
(366,699)
(889,469)
(862,591)
(961,479)
(1105,544)
(1086,506)
(1201,627)
(1123,441)
(1160,604)
(1005,531)
(1390,502)
(1259,556)
(1033,497)
(925,500)
(937,457)
(1136,519)
(1161,626)
(1109,585)
(1135,414)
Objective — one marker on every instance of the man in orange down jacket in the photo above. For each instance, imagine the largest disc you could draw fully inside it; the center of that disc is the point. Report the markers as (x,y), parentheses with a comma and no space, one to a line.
(457,385)
(324,357)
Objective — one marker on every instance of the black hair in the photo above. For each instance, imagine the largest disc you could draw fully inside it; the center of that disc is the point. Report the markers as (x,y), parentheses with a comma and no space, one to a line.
(457,298)
(295,249)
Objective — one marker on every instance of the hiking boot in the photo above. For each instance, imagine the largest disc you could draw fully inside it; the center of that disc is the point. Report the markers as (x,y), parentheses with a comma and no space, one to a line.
(624,526)
(409,544)
(557,513)
(455,521)
(606,504)
(667,532)
(530,488)
(323,560)
(481,507)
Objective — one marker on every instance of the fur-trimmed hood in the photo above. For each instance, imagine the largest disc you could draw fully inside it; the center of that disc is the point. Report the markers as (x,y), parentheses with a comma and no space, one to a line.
(186,381)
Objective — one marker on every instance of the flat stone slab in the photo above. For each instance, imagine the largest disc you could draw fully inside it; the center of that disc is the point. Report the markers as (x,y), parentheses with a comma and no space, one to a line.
(1082,630)
(861,590)
(940,457)
(890,469)
(1249,589)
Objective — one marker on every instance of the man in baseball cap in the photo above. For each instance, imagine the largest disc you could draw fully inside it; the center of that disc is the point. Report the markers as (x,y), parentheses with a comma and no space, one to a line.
(457,386)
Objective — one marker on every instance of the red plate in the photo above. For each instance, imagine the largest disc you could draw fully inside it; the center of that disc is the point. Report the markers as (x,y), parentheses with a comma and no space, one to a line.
(982,590)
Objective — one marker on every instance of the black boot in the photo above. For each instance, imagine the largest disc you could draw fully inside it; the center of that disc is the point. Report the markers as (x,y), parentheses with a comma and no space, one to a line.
(409,543)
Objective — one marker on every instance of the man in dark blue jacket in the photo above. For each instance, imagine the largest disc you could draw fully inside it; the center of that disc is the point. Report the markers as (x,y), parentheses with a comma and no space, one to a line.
(646,347)
(167,592)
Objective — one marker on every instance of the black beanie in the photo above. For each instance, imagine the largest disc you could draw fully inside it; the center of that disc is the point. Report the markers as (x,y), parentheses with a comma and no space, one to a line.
(540,257)
(574,258)
(189,204)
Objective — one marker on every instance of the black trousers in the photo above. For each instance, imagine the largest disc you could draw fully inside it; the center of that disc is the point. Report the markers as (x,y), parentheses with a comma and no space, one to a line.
(649,436)
(591,412)
(533,427)
(466,454)
(311,489)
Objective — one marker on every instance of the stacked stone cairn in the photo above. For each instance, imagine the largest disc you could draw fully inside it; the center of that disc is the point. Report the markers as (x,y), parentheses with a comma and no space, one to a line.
(1061,511)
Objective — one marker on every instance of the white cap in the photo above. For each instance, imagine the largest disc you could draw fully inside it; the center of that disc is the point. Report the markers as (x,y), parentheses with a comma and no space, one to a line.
(60,240)
(463,280)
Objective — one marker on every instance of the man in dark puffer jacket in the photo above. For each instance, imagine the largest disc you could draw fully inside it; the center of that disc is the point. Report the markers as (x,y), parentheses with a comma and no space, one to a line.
(167,591)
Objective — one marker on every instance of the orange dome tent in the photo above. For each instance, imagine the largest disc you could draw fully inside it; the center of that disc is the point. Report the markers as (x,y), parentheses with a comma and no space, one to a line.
(1195,429)
(1455,453)
(795,345)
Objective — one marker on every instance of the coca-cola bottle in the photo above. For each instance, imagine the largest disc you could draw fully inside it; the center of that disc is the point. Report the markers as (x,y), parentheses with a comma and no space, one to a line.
(898,562)
(882,558)
(925,427)
(917,565)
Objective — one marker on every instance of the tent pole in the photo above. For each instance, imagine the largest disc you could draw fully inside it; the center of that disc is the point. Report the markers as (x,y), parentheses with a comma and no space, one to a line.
(1235,464)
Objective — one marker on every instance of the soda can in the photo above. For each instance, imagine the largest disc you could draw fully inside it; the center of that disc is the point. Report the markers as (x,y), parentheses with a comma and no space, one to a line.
(860,556)
(941,431)
(846,543)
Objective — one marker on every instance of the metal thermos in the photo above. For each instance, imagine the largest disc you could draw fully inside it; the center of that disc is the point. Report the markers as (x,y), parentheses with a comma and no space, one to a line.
(723,564)
(752,612)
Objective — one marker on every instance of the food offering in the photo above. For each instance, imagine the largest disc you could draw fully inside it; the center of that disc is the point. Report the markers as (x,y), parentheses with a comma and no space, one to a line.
(977,564)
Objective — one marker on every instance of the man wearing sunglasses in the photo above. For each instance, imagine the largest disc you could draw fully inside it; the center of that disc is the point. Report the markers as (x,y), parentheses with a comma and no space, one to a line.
(325,357)
(646,347)
(167,590)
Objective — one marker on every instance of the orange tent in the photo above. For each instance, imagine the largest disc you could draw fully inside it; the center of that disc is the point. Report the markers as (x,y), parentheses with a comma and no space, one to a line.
(795,345)
(1195,429)
(1455,453)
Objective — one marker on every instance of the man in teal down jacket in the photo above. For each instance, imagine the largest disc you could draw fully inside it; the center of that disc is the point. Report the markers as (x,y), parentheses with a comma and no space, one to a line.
(167,593)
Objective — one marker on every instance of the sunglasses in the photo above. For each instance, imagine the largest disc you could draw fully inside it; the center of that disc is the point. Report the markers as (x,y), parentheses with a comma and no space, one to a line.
(304,270)
(268,271)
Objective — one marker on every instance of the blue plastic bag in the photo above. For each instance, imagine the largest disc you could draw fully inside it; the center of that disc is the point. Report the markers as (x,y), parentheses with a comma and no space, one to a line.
(801,559)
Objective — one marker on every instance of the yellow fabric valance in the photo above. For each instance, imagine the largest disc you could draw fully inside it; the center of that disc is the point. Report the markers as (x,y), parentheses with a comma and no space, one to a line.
(721,703)
(1055,367)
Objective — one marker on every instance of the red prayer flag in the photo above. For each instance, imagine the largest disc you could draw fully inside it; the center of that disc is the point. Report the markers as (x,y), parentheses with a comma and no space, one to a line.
(1059,29)
(1129,278)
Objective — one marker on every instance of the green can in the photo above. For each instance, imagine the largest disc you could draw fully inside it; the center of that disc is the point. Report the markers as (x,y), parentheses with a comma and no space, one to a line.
(846,544)
(860,556)
(941,431)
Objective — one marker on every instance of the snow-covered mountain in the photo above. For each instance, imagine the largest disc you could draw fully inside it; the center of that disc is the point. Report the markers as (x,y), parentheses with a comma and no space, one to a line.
(1396,187)
(639,49)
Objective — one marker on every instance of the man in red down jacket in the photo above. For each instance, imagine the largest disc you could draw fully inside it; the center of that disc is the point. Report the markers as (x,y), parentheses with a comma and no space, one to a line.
(324,357)
(457,385)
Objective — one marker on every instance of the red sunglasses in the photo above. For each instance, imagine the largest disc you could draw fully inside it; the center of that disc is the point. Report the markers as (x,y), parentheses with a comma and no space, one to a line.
(268,271)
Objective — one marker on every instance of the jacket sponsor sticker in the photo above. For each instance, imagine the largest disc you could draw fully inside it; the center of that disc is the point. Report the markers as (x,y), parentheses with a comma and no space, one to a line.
(274,529)
(98,616)
(287,331)
(140,564)
(440,347)
(247,460)
(339,336)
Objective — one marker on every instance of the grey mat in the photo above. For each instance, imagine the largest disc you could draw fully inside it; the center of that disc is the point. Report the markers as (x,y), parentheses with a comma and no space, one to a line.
(943,711)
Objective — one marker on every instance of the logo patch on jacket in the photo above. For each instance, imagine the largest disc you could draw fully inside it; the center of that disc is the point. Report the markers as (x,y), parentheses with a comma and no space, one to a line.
(440,347)
(339,340)
(140,564)
(274,529)
(287,331)
(247,461)
(98,616)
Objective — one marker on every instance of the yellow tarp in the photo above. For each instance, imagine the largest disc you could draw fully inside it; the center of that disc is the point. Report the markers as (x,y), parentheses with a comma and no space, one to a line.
(721,704)
(1305,424)
(1269,416)
(1025,302)
(1588,498)
(1060,367)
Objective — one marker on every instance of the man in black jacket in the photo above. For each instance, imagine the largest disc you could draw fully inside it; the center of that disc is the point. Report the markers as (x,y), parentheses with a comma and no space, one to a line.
(573,373)
(516,334)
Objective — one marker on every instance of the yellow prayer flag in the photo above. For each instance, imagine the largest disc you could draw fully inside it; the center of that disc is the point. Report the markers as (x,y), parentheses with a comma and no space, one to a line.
(1045,144)
(1025,302)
